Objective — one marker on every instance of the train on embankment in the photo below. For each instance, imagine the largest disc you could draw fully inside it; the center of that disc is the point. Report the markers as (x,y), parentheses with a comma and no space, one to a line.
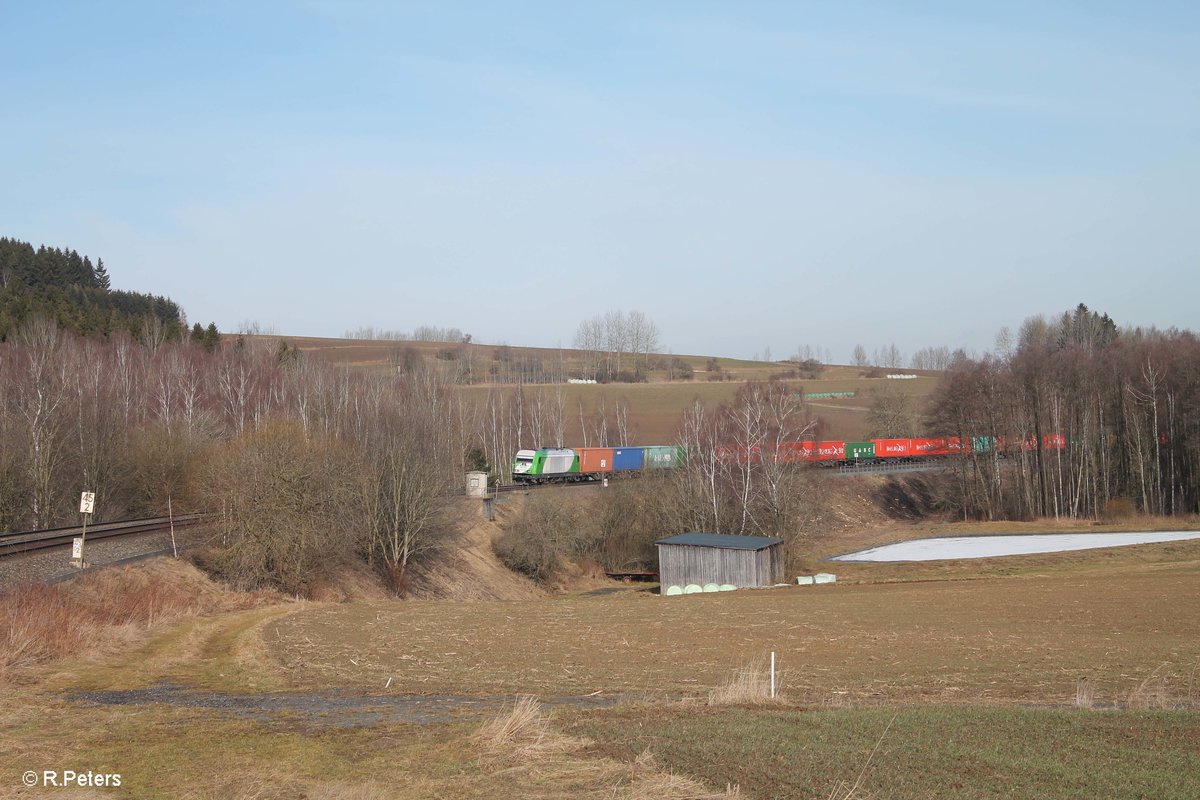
(566,464)
(563,464)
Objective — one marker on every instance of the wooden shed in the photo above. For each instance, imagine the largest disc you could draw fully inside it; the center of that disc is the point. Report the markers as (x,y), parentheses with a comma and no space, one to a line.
(702,559)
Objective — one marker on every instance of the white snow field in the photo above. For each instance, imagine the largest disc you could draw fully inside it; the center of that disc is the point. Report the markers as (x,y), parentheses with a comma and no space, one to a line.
(953,547)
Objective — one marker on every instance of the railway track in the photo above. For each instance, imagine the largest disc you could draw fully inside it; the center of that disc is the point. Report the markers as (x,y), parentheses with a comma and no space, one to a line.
(880,468)
(889,469)
(17,543)
(524,487)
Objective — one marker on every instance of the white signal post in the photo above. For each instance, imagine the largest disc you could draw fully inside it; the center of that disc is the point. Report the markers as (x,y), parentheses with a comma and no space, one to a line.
(87,504)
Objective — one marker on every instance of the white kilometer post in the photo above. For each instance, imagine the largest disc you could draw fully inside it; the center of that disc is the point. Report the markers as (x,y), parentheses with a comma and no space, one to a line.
(87,503)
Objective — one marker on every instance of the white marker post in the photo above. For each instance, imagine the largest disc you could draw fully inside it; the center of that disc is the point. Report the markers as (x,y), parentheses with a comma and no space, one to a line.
(772,674)
(171,519)
(87,503)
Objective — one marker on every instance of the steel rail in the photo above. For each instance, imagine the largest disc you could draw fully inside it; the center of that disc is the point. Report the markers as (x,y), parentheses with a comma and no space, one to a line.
(16,543)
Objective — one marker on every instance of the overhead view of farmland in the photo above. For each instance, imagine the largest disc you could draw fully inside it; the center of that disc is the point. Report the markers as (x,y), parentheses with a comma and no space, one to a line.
(613,401)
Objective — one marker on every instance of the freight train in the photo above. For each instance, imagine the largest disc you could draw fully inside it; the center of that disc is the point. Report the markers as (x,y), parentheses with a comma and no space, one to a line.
(562,464)
(885,450)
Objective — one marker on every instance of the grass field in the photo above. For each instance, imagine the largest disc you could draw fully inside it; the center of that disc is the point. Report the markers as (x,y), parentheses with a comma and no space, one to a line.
(958,679)
(1023,638)
(655,407)
(923,752)
(381,354)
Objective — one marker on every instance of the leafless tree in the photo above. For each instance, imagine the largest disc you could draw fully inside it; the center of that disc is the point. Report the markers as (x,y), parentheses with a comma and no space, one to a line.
(892,414)
(643,339)
(590,339)
(932,358)
(39,397)
(621,414)
(1084,417)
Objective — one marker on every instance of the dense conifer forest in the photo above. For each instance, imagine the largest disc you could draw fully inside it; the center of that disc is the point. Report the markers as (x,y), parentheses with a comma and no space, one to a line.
(59,284)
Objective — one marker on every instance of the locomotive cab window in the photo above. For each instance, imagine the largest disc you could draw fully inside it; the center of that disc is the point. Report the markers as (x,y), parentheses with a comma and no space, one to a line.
(523,463)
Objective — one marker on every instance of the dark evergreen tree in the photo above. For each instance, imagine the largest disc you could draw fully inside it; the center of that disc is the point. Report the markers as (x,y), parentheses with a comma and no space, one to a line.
(212,337)
(102,280)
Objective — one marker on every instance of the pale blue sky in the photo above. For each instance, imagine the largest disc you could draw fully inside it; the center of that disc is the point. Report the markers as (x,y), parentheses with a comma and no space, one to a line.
(750,175)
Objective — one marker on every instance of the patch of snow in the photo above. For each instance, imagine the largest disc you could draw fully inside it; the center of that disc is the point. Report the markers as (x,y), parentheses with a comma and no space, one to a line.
(954,547)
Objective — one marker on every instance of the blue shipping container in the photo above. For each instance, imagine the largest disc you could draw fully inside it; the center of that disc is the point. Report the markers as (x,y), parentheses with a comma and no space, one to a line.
(628,458)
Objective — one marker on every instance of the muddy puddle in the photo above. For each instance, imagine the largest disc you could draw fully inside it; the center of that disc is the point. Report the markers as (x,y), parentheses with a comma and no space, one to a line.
(329,709)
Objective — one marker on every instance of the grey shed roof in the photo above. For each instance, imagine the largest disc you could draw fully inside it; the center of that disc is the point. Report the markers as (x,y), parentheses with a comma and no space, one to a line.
(721,540)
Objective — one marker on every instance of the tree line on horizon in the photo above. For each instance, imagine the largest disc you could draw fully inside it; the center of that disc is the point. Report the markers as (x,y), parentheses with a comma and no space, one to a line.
(1126,402)
(311,463)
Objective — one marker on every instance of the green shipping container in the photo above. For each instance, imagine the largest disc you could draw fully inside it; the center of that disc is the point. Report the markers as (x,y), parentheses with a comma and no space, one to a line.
(858,450)
(661,457)
(981,444)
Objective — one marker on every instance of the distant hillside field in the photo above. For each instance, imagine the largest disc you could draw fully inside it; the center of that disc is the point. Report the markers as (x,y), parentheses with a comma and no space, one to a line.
(655,407)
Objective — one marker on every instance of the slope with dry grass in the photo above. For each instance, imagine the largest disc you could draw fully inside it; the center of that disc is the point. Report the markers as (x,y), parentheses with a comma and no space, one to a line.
(102,611)
(467,568)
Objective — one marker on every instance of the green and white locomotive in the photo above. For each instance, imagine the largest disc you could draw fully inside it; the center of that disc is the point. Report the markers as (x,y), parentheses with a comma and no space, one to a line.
(545,464)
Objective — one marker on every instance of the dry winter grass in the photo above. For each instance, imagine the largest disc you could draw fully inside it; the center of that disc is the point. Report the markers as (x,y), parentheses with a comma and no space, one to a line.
(104,610)
(946,636)
(522,734)
(749,686)
(523,740)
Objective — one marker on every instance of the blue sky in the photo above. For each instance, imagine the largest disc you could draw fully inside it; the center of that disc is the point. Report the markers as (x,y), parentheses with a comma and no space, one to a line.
(749,175)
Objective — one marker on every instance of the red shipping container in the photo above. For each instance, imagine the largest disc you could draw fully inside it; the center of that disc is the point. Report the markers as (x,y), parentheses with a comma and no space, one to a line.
(1014,444)
(930,447)
(940,446)
(595,459)
(1050,441)
(829,451)
(791,452)
(893,448)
